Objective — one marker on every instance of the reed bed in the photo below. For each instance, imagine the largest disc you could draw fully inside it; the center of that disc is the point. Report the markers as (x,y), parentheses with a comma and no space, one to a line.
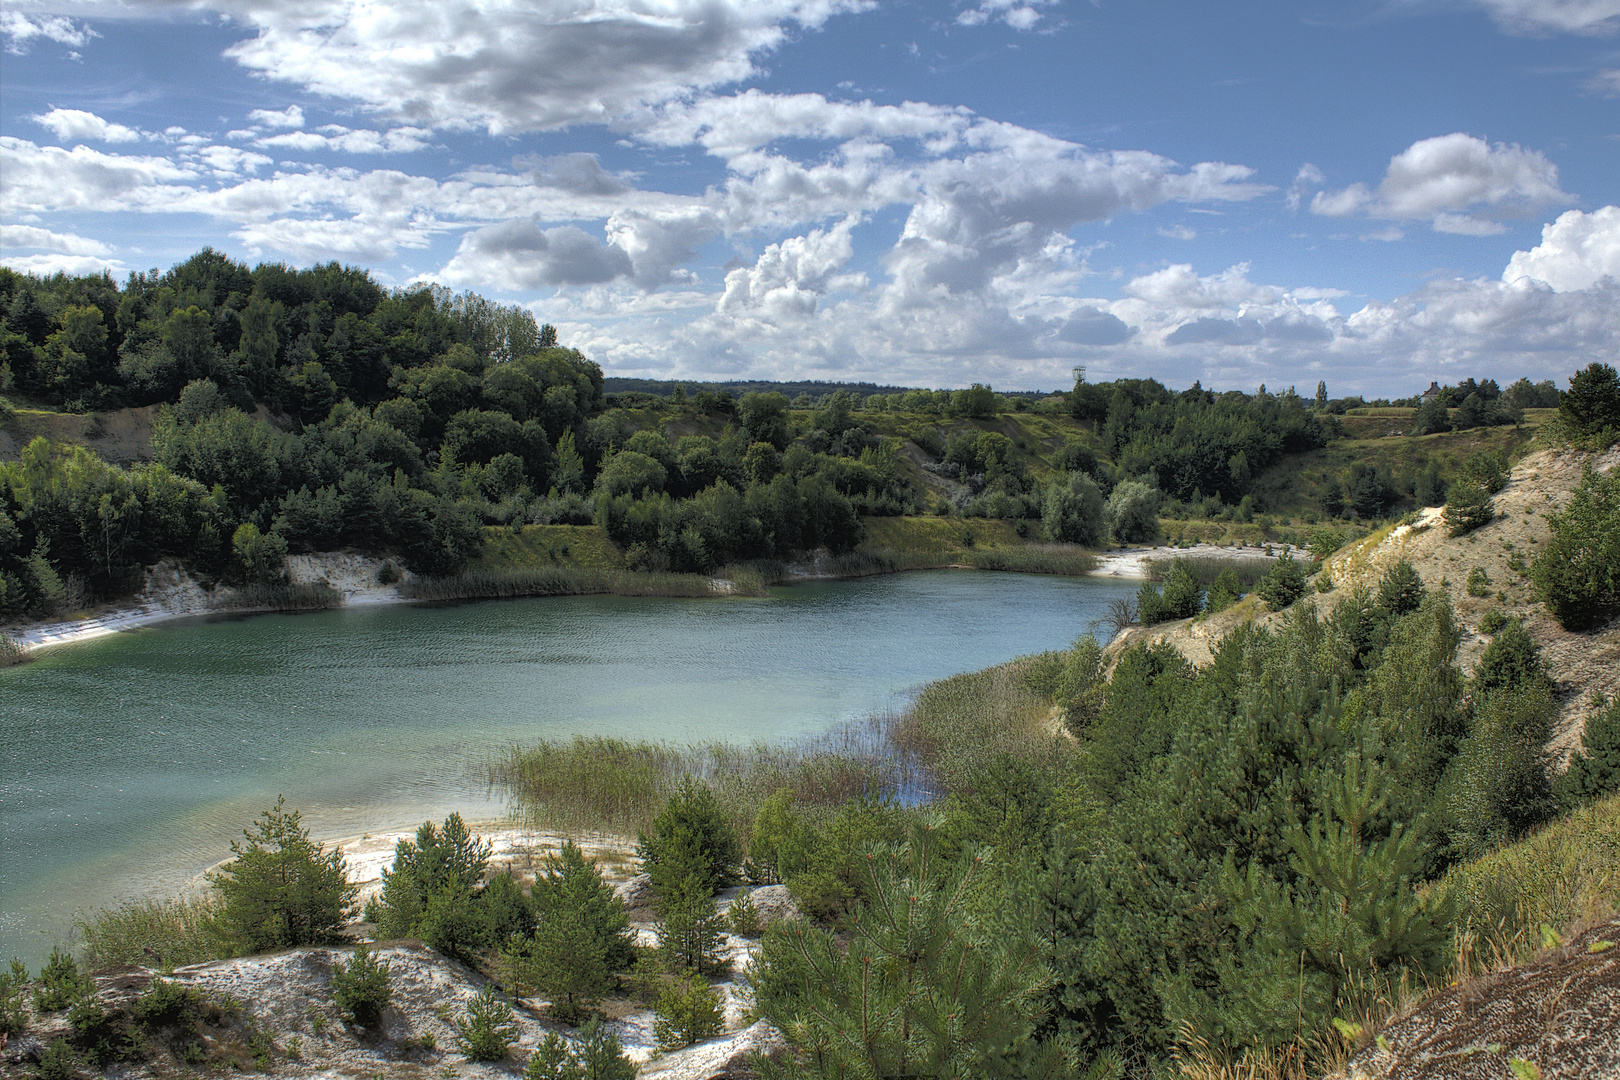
(1206,568)
(162,934)
(597,784)
(285,596)
(602,785)
(1059,559)
(12,651)
(517,581)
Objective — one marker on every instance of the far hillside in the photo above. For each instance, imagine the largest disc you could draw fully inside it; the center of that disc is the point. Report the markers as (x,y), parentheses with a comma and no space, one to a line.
(225,416)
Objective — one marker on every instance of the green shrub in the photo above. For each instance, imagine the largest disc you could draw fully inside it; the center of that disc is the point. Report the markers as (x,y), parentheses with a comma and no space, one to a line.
(13,988)
(282,890)
(1479,582)
(1592,404)
(1486,469)
(743,916)
(595,1055)
(164,1003)
(691,932)
(582,936)
(688,1010)
(1224,591)
(1283,584)
(1578,572)
(691,837)
(61,983)
(58,1062)
(1492,621)
(1468,507)
(431,892)
(1181,598)
(1594,772)
(1400,590)
(489,1027)
(361,987)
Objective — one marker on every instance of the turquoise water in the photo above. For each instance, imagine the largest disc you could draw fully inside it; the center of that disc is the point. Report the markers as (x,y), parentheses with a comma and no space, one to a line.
(130,762)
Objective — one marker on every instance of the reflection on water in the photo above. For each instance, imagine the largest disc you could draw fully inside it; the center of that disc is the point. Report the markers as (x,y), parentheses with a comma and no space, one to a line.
(130,762)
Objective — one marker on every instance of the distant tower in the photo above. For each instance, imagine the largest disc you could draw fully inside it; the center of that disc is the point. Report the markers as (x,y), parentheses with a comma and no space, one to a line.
(1079,374)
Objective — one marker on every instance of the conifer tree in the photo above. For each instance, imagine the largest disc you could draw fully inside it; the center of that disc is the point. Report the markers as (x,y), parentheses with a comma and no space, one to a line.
(932,982)
(282,889)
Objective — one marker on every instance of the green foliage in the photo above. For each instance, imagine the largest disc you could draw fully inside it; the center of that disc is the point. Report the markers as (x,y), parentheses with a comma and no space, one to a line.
(488,1028)
(13,990)
(164,933)
(1594,771)
(595,1055)
(742,916)
(1492,621)
(1498,786)
(1182,596)
(1072,510)
(691,840)
(1487,469)
(944,975)
(432,890)
(361,988)
(1592,404)
(1283,584)
(688,1010)
(1577,573)
(1479,582)
(281,889)
(58,1062)
(1132,512)
(1431,418)
(691,931)
(1224,591)
(1511,661)
(260,559)
(164,1003)
(61,983)
(581,938)
(1400,590)
(1468,506)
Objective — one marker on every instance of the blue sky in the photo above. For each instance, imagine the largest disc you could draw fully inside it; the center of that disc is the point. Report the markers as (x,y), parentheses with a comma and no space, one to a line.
(1371,193)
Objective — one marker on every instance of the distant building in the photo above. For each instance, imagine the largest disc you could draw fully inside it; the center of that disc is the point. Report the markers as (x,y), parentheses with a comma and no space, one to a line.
(1431,393)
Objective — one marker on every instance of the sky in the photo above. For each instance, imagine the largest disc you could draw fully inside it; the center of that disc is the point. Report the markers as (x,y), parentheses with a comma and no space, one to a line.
(1371,193)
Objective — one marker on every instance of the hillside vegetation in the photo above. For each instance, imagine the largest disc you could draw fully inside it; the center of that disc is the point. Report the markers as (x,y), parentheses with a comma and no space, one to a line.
(225,416)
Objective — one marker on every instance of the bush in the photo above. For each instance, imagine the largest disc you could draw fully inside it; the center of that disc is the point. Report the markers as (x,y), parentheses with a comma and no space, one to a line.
(688,1011)
(1593,401)
(691,837)
(1225,590)
(1283,584)
(282,890)
(13,987)
(489,1027)
(1181,598)
(163,1003)
(1578,572)
(431,890)
(1468,506)
(1492,621)
(1431,418)
(1479,582)
(361,987)
(61,983)
(597,1055)
(1132,512)
(743,916)
(1594,772)
(58,1062)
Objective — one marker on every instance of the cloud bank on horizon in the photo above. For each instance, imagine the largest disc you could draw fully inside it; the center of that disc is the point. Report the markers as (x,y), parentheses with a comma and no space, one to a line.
(854,189)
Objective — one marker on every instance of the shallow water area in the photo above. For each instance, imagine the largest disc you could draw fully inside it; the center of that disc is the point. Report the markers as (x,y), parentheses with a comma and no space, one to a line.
(130,762)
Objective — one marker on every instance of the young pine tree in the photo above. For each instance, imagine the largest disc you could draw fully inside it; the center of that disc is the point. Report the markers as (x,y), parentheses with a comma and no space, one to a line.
(282,890)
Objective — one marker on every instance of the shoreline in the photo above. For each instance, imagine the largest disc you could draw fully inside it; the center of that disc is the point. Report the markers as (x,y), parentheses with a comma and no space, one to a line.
(171,594)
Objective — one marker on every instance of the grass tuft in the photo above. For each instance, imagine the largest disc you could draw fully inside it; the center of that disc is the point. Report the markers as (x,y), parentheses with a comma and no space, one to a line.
(162,934)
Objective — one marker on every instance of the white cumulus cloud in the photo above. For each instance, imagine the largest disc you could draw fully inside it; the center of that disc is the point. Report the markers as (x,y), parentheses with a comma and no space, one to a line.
(515,67)
(29,236)
(1018,14)
(521,253)
(21,30)
(1455,182)
(79,126)
(1576,251)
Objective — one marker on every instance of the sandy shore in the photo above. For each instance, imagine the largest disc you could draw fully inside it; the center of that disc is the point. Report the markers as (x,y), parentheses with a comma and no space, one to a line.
(1132,562)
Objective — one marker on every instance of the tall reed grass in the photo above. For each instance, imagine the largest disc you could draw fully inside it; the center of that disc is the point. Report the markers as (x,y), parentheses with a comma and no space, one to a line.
(596,784)
(12,651)
(1206,568)
(162,934)
(510,582)
(285,596)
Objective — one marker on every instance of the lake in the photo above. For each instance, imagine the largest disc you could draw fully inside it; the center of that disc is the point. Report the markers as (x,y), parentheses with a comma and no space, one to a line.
(130,762)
